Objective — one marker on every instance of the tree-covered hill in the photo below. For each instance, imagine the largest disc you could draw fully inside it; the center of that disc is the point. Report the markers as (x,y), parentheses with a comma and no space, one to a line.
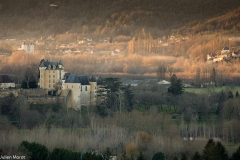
(106,17)
(226,22)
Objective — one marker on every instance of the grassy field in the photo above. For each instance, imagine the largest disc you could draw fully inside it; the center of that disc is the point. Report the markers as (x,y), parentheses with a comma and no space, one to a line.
(213,89)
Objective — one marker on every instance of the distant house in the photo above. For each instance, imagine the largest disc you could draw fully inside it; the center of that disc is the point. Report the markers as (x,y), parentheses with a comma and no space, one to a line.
(89,39)
(115,52)
(236,54)
(186,85)
(150,82)
(53,5)
(5,53)
(225,51)
(134,83)
(164,82)
(6,82)
(27,47)
(164,44)
(83,90)
(106,41)
(219,58)
(211,56)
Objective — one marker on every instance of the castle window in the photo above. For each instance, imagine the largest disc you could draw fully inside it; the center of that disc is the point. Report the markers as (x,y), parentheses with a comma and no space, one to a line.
(54,81)
(72,86)
(81,88)
(53,71)
(53,76)
(54,67)
(85,88)
(49,66)
(49,81)
(49,85)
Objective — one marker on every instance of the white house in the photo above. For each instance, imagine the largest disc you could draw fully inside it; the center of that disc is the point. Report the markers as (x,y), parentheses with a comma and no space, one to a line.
(6,82)
(225,51)
(164,82)
(28,48)
(236,54)
(83,91)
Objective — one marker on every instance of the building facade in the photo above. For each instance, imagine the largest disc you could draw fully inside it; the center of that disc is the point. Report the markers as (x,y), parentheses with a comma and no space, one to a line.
(6,82)
(51,73)
(28,48)
(82,90)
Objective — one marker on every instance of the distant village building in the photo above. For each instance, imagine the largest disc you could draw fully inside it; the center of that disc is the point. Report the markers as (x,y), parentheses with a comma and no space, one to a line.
(115,52)
(6,82)
(236,54)
(225,50)
(133,83)
(53,5)
(27,47)
(164,82)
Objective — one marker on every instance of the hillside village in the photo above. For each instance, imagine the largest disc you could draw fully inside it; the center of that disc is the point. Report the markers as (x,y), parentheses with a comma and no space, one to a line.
(225,55)
(72,43)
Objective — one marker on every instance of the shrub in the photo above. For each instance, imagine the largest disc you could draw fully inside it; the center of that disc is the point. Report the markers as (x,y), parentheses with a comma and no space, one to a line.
(34,150)
(62,154)
(158,156)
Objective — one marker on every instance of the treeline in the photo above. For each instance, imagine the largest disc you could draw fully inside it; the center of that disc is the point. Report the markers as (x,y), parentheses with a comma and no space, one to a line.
(144,119)
(105,16)
(185,66)
(34,151)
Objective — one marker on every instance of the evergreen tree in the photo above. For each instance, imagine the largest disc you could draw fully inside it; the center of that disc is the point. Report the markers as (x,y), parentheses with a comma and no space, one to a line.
(214,151)
(34,150)
(208,152)
(158,156)
(220,152)
(236,155)
(129,98)
(110,92)
(184,157)
(175,158)
(230,94)
(196,156)
(107,154)
(124,156)
(176,87)
(237,94)
(221,99)
(141,157)
(198,77)
(213,77)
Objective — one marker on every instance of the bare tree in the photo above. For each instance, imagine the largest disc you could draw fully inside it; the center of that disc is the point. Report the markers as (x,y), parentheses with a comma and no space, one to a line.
(161,71)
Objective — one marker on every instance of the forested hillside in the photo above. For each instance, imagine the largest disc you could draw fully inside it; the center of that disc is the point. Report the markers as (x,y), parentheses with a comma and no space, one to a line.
(226,22)
(105,17)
